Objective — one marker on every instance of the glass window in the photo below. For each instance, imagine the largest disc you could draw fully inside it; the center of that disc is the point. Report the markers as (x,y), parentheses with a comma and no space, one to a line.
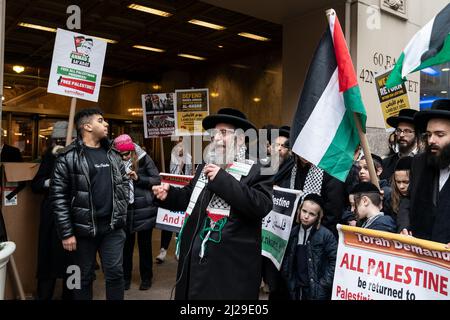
(22,136)
(44,135)
(434,84)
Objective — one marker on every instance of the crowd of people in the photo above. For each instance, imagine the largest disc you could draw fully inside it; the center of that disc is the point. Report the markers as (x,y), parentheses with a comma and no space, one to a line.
(100,194)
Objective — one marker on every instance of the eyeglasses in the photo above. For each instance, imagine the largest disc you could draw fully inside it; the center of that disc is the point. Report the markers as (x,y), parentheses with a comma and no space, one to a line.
(222,132)
(399,131)
(125,154)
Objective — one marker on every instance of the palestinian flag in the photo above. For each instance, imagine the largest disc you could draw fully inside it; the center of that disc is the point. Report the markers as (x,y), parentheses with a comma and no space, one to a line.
(430,46)
(324,130)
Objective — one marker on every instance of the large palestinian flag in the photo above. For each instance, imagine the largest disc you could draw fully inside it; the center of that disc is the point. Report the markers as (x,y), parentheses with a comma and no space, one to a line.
(430,46)
(324,130)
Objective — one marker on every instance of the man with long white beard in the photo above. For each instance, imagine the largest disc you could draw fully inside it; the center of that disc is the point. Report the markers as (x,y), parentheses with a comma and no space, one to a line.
(220,242)
(428,205)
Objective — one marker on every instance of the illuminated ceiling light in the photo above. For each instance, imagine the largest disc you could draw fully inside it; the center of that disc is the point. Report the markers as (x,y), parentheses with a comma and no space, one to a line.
(444,92)
(214,94)
(207,24)
(148,48)
(445,69)
(105,39)
(3,98)
(220,46)
(189,56)
(19,69)
(36,26)
(7,87)
(157,12)
(240,66)
(156,87)
(256,99)
(135,110)
(253,36)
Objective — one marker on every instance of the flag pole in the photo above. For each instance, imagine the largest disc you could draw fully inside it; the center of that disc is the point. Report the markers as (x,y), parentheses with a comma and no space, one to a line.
(362,135)
(73,105)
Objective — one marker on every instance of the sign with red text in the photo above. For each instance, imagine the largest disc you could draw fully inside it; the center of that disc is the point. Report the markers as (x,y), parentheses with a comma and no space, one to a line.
(376,265)
(159,114)
(77,65)
(172,220)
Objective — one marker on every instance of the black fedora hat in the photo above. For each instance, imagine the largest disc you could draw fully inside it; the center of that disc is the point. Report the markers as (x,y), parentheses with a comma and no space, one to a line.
(285,131)
(230,116)
(440,109)
(405,115)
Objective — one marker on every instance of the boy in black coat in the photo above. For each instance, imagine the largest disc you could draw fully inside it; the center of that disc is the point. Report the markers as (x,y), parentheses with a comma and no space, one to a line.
(310,259)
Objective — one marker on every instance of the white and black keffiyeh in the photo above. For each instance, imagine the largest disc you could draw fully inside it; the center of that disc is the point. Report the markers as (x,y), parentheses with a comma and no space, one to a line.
(313,181)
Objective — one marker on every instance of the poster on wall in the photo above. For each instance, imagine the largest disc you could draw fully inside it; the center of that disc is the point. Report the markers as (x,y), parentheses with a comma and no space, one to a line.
(77,65)
(376,265)
(159,114)
(192,106)
(172,220)
(391,100)
(277,225)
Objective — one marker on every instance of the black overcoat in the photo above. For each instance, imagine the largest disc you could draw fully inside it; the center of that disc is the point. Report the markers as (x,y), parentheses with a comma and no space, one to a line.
(230,269)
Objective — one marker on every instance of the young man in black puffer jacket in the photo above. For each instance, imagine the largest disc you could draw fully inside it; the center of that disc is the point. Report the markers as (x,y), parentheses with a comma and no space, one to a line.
(89,195)
(310,258)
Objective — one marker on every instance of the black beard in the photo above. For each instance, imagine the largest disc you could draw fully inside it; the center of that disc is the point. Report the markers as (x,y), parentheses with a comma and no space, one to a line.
(404,149)
(442,160)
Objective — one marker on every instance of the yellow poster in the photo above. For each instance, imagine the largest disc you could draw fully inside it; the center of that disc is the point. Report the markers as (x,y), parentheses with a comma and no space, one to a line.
(391,100)
(192,106)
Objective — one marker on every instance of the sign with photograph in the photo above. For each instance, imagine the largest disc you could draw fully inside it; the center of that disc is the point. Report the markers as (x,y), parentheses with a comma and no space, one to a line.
(77,65)
(192,106)
(159,114)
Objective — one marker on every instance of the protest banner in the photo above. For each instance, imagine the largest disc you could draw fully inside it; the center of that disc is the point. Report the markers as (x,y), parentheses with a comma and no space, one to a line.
(192,106)
(391,100)
(376,265)
(159,115)
(277,225)
(172,220)
(77,65)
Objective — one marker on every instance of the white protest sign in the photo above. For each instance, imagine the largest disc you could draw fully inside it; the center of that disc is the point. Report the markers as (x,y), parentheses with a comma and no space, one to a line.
(172,220)
(277,225)
(77,65)
(376,265)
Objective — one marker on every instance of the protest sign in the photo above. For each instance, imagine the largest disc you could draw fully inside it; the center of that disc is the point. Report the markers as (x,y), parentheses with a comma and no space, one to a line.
(159,115)
(391,100)
(77,65)
(172,220)
(277,225)
(376,265)
(192,106)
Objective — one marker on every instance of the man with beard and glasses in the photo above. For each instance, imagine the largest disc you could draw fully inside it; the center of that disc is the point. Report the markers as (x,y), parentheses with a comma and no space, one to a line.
(406,139)
(219,244)
(428,204)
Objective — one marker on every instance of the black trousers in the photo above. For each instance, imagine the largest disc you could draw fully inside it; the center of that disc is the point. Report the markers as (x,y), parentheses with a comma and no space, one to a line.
(145,255)
(166,236)
(109,243)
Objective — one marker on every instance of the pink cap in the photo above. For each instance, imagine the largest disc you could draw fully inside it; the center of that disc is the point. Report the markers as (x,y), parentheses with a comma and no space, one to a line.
(124,143)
